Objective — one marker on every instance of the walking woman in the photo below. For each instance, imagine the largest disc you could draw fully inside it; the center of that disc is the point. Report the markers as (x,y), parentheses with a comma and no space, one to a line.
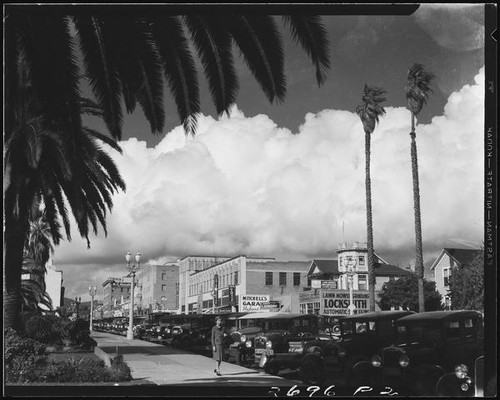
(218,350)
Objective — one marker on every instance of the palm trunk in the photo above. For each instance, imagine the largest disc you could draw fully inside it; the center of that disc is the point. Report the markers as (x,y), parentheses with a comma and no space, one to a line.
(13,260)
(369,226)
(419,264)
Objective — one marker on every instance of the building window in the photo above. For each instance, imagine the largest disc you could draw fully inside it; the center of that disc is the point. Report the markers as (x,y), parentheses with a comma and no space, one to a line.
(296,279)
(361,260)
(163,276)
(309,281)
(269,278)
(282,278)
(163,288)
(362,283)
(446,276)
(236,277)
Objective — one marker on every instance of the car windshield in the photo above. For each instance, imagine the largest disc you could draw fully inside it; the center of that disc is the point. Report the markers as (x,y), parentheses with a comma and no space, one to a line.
(419,330)
(358,327)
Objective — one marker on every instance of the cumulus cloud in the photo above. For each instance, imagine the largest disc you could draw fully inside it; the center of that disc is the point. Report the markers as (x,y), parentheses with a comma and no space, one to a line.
(243,185)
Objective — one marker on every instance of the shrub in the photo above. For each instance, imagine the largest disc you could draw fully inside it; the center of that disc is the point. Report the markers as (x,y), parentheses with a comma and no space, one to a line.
(119,371)
(47,329)
(91,370)
(23,357)
(78,331)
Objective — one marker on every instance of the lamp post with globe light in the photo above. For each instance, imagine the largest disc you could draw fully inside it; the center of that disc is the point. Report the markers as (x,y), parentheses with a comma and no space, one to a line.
(133,269)
(92,292)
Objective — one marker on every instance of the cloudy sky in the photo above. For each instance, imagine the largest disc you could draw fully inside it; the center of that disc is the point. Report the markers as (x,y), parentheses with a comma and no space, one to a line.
(287,180)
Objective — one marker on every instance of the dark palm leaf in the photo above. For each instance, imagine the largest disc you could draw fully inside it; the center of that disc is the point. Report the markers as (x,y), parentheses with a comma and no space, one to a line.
(54,78)
(312,35)
(213,44)
(418,88)
(180,71)
(261,45)
(101,70)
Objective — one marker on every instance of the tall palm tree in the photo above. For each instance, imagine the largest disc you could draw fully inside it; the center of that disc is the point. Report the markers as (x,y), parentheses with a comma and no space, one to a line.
(43,165)
(418,90)
(369,112)
(130,53)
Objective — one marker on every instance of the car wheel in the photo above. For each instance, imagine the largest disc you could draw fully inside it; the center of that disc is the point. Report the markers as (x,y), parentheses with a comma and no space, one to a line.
(242,359)
(272,368)
(312,372)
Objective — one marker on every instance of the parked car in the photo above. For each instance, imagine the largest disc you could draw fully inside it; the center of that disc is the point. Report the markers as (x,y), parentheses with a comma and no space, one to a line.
(428,346)
(140,331)
(361,335)
(270,339)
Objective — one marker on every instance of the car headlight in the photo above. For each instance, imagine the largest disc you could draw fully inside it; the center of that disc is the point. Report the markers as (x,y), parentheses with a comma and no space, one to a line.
(404,361)
(248,343)
(269,344)
(243,338)
(376,360)
(466,385)
(342,353)
(461,371)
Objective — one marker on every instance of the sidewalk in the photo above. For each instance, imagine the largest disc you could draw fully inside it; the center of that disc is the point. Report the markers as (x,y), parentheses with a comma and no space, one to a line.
(162,365)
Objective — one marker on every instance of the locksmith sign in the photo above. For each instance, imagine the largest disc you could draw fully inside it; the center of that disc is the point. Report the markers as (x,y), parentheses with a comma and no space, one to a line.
(254,303)
(335,302)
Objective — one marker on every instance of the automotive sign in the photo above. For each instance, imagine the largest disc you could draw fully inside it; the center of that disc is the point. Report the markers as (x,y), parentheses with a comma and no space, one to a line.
(254,303)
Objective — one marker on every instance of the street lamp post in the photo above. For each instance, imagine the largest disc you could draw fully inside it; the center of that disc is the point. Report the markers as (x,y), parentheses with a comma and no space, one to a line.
(350,271)
(92,292)
(133,269)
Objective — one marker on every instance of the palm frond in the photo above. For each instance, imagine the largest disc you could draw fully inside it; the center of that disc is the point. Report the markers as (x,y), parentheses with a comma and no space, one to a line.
(100,70)
(213,44)
(179,67)
(312,35)
(418,88)
(370,110)
(261,45)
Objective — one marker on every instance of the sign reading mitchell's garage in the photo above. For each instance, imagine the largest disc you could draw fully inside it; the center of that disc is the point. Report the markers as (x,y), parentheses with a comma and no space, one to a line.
(335,302)
(254,303)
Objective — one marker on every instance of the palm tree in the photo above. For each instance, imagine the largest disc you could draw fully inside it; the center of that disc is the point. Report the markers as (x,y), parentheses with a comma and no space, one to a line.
(129,55)
(37,250)
(417,92)
(43,165)
(369,112)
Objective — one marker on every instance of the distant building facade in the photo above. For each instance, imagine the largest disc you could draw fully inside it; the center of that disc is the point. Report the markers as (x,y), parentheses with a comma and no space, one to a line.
(157,288)
(443,266)
(116,293)
(257,284)
(328,281)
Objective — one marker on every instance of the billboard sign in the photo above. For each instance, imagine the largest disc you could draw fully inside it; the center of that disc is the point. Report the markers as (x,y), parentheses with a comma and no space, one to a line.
(254,303)
(337,302)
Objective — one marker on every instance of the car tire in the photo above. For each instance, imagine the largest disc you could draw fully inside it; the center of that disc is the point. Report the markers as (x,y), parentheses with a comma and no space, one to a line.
(272,368)
(312,372)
